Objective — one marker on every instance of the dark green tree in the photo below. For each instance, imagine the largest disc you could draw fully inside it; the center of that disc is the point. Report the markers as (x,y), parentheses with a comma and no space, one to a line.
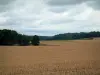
(23,40)
(35,40)
(8,37)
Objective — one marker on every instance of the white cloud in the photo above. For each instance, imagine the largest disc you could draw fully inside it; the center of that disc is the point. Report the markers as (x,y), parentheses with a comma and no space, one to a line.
(37,17)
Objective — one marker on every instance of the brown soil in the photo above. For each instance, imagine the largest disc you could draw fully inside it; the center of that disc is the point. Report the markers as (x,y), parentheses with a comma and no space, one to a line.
(80,57)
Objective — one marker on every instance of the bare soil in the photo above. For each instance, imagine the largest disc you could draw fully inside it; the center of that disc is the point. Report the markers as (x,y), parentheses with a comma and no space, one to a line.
(79,57)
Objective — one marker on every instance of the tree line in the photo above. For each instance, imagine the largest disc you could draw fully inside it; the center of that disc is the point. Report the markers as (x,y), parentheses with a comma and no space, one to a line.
(73,36)
(11,37)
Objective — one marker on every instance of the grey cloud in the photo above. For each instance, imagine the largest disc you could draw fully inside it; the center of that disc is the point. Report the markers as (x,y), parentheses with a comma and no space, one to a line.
(3,8)
(65,2)
(5,2)
(94,4)
(56,16)
(60,6)
(60,9)
(5,5)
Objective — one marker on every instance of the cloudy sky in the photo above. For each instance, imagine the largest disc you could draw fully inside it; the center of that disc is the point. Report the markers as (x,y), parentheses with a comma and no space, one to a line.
(50,17)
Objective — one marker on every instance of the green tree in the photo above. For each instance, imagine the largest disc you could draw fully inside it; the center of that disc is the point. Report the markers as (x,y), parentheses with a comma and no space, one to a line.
(35,40)
(7,37)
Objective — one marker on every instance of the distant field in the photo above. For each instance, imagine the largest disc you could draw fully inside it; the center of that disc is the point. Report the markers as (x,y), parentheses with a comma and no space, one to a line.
(79,57)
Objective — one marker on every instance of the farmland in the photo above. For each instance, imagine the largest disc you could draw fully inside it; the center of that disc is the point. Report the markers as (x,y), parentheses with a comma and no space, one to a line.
(78,57)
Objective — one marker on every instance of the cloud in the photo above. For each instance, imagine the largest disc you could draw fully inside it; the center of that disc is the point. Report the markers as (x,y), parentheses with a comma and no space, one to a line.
(58,9)
(5,4)
(49,17)
(94,4)
(65,2)
(59,3)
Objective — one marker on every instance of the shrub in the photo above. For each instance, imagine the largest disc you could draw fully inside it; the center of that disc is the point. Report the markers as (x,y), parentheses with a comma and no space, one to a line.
(35,40)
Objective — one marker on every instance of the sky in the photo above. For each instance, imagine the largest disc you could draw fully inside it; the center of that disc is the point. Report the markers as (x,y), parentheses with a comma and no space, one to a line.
(50,17)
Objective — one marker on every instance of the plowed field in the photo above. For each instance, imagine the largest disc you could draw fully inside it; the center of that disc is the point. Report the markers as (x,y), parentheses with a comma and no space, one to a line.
(80,57)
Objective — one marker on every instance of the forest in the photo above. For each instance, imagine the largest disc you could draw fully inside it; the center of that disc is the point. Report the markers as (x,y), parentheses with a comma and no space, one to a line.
(11,37)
